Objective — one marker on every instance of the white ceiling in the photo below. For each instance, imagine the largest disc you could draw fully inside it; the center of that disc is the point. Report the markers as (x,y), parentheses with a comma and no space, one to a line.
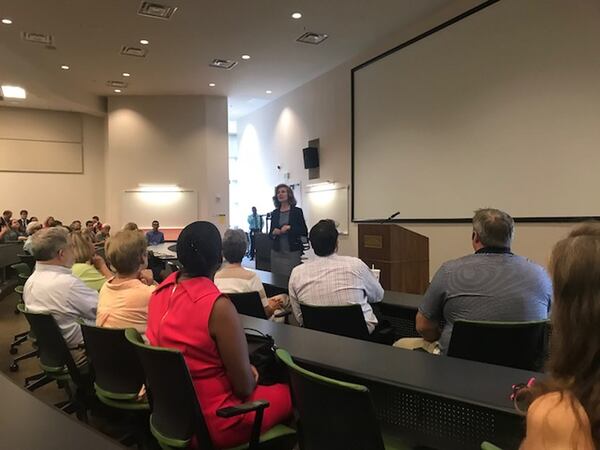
(88,35)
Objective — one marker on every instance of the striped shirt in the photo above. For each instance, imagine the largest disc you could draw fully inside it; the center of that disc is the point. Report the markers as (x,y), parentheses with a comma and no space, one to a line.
(333,281)
(487,286)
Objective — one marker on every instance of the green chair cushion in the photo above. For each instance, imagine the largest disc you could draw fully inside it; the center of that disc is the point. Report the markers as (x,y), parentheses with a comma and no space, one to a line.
(166,442)
(277,432)
(19,289)
(391,442)
(488,446)
(131,404)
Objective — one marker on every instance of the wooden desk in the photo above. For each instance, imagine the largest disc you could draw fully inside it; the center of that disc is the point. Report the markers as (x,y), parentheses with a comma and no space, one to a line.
(442,402)
(27,423)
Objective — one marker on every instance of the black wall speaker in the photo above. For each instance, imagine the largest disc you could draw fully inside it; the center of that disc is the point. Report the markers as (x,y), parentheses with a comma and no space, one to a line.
(311,157)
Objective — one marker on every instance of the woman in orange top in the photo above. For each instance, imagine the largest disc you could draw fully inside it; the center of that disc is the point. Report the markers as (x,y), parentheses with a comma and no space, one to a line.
(566,411)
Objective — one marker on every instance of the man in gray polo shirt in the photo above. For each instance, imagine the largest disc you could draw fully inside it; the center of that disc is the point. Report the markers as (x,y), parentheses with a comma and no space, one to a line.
(491,284)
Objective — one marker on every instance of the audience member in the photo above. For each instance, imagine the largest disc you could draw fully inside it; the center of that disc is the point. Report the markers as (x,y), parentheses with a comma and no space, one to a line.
(12,233)
(49,222)
(566,410)
(213,343)
(123,300)
(103,234)
(88,266)
(53,289)
(75,225)
(89,230)
(33,219)
(5,219)
(233,278)
(23,221)
(97,224)
(333,280)
(155,237)
(131,226)
(32,228)
(492,284)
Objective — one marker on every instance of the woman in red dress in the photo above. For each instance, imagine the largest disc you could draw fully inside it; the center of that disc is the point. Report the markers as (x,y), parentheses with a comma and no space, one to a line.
(187,312)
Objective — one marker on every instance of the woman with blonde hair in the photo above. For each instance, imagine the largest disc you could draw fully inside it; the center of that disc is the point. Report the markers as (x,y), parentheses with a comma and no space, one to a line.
(123,300)
(565,412)
(89,267)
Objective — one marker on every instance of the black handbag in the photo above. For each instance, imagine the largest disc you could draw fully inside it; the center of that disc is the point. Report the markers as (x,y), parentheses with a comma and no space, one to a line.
(261,349)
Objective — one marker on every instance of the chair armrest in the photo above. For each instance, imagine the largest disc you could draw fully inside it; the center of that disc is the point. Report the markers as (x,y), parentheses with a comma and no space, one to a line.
(232,411)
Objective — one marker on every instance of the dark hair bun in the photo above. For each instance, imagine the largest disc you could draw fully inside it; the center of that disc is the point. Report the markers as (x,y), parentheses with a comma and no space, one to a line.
(199,249)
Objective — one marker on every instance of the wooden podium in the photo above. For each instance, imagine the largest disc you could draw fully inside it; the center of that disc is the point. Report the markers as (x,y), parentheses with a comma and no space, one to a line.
(401,255)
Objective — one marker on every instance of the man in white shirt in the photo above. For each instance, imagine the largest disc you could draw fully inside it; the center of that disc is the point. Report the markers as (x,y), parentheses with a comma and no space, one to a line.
(333,280)
(53,289)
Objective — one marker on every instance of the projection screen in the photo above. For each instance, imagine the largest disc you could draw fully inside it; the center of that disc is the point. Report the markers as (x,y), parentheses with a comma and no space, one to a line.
(499,107)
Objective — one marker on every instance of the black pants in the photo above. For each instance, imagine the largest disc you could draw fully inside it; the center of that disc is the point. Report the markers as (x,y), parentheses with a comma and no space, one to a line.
(252,251)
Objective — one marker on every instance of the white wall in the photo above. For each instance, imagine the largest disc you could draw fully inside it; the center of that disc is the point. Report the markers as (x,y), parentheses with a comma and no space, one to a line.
(178,140)
(276,133)
(64,196)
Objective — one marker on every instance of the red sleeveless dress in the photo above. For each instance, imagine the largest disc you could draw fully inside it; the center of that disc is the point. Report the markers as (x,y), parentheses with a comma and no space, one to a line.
(179,319)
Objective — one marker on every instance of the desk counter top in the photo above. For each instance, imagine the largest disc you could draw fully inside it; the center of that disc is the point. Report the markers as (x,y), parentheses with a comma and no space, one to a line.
(484,385)
(27,423)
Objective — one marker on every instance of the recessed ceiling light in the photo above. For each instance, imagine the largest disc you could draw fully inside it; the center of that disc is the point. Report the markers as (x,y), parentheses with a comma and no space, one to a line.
(118,91)
(268,91)
(126,74)
(212,84)
(13,92)
(296,15)
(245,56)
(144,41)
(64,67)
(7,21)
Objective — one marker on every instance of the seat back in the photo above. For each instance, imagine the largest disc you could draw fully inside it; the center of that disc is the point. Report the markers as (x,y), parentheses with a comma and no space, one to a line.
(345,320)
(23,271)
(54,354)
(333,415)
(27,259)
(249,304)
(117,368)
(176,414)
(521,345)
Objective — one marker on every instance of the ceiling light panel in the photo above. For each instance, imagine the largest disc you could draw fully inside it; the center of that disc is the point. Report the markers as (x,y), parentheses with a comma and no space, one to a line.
(156,10)
(227,64)
(134,51)
(296,15)
(126,74)
(15,92)
(7,21)
(312,38)
(37,38)
(144,41)
(116,84)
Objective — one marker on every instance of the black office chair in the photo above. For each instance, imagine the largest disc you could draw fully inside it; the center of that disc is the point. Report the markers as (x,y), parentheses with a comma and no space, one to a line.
(176,415)
(333,414)
(249,304)
(58,364)
(522,345)
(345,320)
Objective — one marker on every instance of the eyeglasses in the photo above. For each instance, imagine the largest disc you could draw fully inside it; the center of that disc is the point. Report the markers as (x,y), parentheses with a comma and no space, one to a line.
(522,396)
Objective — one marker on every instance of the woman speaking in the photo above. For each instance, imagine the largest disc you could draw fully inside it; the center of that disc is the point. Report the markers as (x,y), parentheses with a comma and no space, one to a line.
(287,228)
